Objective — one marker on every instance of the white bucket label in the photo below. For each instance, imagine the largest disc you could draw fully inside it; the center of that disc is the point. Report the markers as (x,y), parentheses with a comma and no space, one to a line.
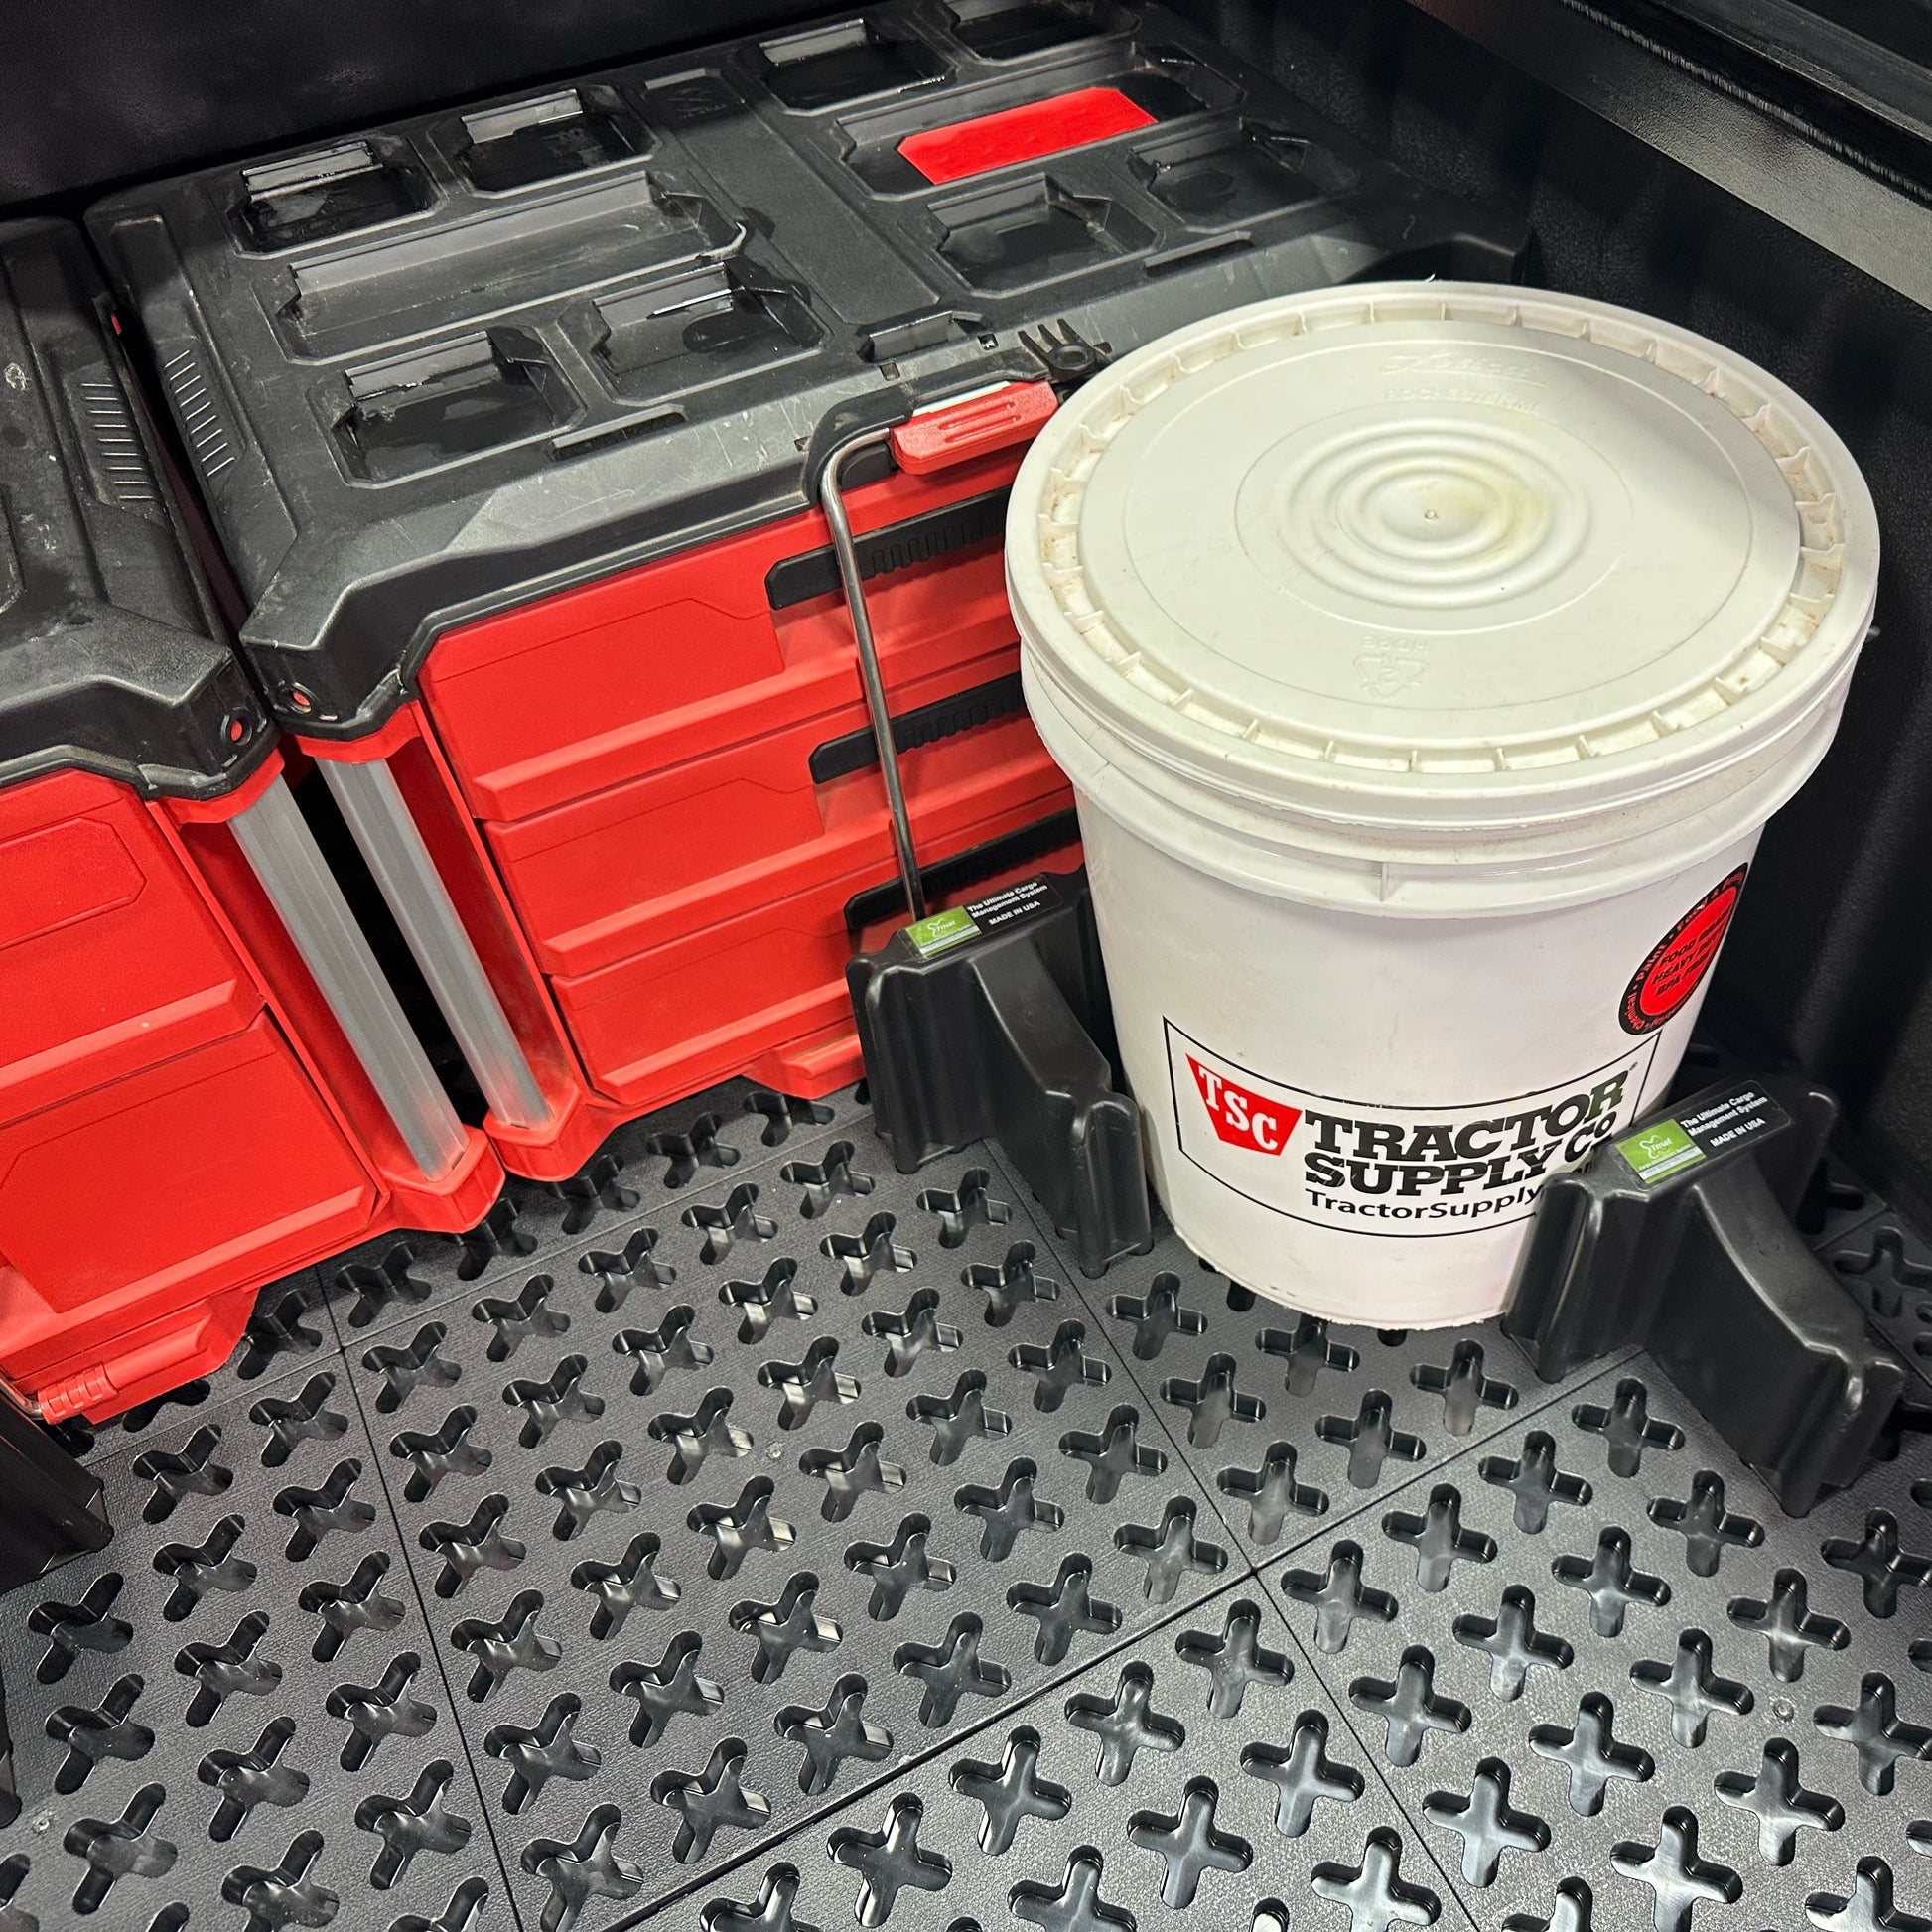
(1392,1170)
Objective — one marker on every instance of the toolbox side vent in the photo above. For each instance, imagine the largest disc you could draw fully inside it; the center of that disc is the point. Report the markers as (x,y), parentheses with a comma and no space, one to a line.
(1239,173)
(712,322)
(1009,30)
(198,413)
(1031,231)
(458,399)
(113,440)
(532,141)
(845,61)
(320,196)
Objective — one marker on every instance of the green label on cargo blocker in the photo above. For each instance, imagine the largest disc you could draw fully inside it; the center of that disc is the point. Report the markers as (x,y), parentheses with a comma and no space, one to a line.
(1658,1150)
(1006,907)
(942,931)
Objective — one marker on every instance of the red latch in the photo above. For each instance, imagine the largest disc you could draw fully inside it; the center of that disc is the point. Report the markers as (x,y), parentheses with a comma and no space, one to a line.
(106,1387)
(1028,132)
(937,437)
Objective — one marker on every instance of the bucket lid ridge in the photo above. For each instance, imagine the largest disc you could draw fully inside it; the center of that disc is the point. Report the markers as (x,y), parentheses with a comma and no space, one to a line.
(1477,549)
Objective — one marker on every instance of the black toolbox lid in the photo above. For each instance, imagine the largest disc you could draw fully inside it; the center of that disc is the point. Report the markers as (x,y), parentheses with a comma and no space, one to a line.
(430,371)
(110,658)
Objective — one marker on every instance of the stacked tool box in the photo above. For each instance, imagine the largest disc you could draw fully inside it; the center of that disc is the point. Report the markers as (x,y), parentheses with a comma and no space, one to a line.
(181,1113)
(513,422)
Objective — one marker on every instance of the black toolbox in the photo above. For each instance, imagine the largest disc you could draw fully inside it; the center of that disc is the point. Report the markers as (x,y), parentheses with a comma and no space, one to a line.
(513,421)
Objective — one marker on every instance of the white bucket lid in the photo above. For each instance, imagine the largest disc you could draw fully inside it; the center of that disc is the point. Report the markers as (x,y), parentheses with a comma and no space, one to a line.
(1440,559)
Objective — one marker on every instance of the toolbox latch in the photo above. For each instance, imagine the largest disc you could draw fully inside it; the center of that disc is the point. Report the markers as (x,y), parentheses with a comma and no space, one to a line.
(965,427)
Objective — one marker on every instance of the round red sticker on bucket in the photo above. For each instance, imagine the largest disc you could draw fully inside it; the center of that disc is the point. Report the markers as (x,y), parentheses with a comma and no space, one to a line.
(1681,958)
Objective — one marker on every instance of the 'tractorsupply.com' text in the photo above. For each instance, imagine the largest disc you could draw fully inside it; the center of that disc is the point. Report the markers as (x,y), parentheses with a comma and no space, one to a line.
(1483,1207)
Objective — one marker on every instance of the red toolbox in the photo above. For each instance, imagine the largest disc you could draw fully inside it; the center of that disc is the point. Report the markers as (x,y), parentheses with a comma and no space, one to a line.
(182,1115)
(513,422)
(684,879)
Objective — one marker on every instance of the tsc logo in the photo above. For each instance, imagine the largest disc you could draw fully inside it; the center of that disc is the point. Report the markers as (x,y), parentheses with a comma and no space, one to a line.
(1392,1168)
(1241,1118)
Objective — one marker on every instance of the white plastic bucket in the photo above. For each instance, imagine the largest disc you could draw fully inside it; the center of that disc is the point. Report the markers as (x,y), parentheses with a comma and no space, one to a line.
(1426,658)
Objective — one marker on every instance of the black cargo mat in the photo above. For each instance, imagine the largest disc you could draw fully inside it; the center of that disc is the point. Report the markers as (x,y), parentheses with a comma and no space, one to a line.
(748,1534)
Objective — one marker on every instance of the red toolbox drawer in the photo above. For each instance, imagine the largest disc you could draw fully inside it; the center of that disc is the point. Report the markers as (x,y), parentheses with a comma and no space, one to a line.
(163,1149)
(720,644)
(663,855)
(183,1116)
(749,781)
(109,960)
(763,992)
(750,792)
(228,1171)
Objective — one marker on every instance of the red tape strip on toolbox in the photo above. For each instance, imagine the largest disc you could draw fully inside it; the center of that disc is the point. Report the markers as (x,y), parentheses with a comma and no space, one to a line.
(1026,133)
